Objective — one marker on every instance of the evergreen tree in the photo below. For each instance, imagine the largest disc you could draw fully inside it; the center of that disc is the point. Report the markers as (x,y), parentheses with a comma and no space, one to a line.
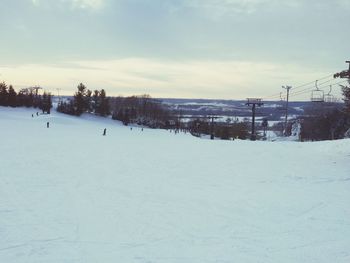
(346,94)
(66,107)
(87,101)
(100,103)
(103,108)
(79,100)
(25,97)
(46,103)
(12,97)
(3,94)
(95,101)
(31,99)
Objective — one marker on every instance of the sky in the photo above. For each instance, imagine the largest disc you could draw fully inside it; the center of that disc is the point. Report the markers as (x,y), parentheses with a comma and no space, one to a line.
(222,49)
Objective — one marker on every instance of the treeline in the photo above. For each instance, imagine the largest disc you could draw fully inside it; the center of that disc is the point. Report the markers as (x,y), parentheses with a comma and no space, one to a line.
(329,125)
(323,121)
(227,130)
(326,121)
(84,101)
(27,97)
(146,111)
(142,110)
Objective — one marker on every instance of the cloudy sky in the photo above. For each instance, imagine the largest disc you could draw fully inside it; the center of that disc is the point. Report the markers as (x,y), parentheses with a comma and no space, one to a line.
(229,49)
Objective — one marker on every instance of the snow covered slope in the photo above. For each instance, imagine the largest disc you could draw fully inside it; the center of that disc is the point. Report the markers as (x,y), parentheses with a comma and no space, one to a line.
(69,194)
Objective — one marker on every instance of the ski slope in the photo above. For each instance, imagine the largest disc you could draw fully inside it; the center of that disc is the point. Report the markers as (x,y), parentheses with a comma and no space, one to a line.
(69,194)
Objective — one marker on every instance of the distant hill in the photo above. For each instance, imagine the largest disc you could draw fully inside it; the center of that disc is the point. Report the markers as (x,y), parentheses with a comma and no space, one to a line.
(272,110)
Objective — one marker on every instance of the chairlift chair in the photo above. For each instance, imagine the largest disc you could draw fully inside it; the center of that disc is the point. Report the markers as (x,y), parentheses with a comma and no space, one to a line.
(329,98)
(317,95)
(281,107)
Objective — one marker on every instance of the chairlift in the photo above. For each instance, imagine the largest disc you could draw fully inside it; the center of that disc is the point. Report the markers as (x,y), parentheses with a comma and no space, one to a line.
(281,98)
(281,107)
(317,95)
(329,98)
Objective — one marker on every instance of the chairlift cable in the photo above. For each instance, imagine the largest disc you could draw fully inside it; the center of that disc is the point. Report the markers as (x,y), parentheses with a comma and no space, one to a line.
(277,95)
(311,82)
(308,90)
(320,87)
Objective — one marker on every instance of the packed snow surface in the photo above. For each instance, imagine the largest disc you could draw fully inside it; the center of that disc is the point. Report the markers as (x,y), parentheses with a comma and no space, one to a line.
(69,194)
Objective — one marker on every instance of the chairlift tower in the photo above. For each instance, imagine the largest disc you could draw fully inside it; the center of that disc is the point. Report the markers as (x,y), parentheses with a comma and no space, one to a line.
(58,93)
(345,74)
(253,102)
(287,102)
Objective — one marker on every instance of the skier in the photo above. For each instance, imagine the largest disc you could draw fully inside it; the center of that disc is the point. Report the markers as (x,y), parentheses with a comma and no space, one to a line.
(47,125)
(104,132)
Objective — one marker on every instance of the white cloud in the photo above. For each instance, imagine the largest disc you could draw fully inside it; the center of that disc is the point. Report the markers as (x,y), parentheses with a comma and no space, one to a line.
(344,3)
(221,7)
(35,2)
(218,8)
(74,4)
(159,78)
(89,4)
